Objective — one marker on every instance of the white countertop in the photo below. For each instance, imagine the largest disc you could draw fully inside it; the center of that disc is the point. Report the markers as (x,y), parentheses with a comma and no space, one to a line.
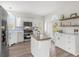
(68,33)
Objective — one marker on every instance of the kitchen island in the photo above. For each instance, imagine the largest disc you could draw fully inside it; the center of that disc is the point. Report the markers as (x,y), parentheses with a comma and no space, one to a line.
(40,46)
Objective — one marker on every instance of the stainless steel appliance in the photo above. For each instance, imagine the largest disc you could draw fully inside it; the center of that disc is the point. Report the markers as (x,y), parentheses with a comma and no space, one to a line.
(27,30)
(3,33)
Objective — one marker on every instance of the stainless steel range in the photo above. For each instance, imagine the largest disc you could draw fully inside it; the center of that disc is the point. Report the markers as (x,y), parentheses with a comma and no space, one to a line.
(27,30)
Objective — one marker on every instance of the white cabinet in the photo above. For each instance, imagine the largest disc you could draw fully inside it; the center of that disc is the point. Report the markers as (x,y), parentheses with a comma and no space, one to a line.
(15,37)
(12,38)
(40,48)
(11,21)
(68,42)
(19,22)
(59,40)
(20,36)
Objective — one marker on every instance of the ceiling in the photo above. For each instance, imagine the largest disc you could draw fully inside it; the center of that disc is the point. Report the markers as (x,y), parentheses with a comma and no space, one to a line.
(36,7)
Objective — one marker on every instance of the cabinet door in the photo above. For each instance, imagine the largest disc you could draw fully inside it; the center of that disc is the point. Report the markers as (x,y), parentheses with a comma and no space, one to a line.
(46,46)
(19,36)
(60,41)
(12,38)
(33,46)
(70,44)
(42,48)
(57,39)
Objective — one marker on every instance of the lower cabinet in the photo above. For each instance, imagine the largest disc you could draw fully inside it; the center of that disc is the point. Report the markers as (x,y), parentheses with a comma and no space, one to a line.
(67,42)
(59,41)
(70,44)
(14,37)
(20,37)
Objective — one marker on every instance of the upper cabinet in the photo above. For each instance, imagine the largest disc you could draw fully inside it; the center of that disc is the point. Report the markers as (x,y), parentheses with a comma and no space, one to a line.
(19,22)
(11,21)
(14,21)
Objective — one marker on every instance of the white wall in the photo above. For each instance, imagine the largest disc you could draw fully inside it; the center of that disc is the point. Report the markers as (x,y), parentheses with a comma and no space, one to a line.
(36,19)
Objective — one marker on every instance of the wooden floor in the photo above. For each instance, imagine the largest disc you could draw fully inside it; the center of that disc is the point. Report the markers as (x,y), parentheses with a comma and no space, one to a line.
(20,50)
(62,53)
(23,50)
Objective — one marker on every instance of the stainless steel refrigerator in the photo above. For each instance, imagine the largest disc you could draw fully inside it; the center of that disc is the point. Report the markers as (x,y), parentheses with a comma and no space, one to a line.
(3,33)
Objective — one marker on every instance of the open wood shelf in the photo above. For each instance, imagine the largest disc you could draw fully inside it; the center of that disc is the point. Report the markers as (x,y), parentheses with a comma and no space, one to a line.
(69,18)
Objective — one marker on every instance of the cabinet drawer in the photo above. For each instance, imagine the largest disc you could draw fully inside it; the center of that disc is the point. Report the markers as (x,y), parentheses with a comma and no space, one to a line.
(60,42)
(67,42)
(71,49)
(70,45)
